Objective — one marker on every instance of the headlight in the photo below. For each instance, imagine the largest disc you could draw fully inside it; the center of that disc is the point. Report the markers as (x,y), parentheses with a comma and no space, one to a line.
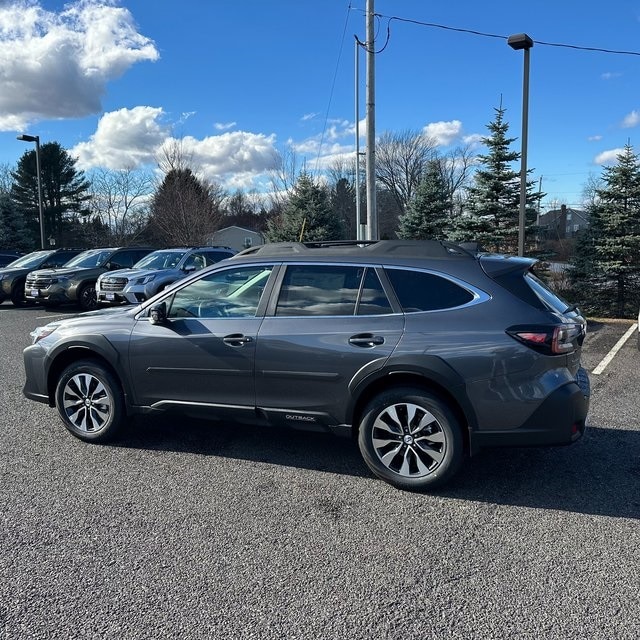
(145,280)
(42,332)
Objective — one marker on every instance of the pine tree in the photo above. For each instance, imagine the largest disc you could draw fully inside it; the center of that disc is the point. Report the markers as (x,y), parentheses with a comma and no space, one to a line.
(492,218)
(184,210)
(12,227)
(428,215)
(606,269)
(307,215)
(64,188)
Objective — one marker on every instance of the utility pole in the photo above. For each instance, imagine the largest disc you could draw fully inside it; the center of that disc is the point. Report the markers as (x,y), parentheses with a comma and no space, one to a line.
(372,212)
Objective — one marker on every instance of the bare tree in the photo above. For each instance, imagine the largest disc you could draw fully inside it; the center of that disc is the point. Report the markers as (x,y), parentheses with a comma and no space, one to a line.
(120,200)
(284,177)
(6,177)
(401,159)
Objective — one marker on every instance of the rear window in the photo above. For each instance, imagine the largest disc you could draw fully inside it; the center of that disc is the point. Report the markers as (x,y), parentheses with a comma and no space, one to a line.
(548,297)
(422,291)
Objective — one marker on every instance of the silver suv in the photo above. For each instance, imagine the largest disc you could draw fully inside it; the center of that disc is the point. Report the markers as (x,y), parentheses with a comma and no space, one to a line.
(156,272)
(422,351)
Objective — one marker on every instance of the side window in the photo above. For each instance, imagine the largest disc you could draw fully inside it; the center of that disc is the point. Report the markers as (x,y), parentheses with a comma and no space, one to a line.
(319,290)
(123,259)
(195,260)
(421,291)
(211,257)
(232,293)
(373,300)
(58,259)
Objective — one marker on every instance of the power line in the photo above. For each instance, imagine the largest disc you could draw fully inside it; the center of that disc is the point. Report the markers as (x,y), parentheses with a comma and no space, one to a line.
(494,35)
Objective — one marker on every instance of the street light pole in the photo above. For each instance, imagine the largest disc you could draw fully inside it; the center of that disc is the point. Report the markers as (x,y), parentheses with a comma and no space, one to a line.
(524,42)
(36,139)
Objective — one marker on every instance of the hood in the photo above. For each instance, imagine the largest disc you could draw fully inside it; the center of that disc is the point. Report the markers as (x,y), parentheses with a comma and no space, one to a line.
(132,273)
(66,271)
(91,319)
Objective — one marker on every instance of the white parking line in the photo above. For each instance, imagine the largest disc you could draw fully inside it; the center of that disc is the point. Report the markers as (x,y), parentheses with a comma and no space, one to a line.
(609,357)
(53,317)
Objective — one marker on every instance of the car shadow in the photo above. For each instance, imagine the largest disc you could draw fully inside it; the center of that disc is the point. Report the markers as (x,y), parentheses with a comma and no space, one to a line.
(599,475)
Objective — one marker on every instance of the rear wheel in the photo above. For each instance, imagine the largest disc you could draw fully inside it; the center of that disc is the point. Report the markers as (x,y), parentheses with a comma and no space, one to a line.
(411,439)
(90,401)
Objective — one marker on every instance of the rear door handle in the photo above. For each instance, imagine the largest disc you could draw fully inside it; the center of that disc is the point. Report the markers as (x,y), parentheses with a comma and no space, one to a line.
(366,340)
(237,340)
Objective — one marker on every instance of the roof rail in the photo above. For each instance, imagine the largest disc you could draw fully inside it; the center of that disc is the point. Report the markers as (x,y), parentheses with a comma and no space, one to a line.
(405,248)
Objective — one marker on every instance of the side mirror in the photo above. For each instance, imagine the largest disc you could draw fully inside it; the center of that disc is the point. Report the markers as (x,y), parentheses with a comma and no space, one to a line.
(158,313)
(190,269)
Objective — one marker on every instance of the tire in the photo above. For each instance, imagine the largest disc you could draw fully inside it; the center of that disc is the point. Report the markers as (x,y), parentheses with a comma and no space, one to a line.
(411,439)
(17,295)
(90,401)
(87,298)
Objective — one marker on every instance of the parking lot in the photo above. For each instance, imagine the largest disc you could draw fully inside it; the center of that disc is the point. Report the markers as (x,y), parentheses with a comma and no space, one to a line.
(184,529)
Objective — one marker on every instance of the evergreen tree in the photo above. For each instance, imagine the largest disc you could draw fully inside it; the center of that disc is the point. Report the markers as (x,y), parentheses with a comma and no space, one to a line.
(64,189)
(12,227)
(343,203)
(428,212)
(307,215)
(184,210)
(493,212)
(606,268)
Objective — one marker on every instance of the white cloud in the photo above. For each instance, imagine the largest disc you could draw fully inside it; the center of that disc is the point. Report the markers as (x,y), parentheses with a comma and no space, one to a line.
(609,75)
(473,140)
(595,138)
(130,138)
(631,119)
(309,116)
(444,133)
(223,126)
(608,157)
(126,138)
(57,65)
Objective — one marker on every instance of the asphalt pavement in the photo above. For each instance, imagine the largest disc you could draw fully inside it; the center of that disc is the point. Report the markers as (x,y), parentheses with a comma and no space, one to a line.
(186,529)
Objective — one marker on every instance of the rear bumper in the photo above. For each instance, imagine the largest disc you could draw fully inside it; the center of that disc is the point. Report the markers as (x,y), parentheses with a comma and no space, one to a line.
(559,420)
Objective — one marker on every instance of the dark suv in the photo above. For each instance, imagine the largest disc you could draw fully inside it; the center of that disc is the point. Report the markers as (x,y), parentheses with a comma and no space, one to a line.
(13,276)
(76,282)
(421,350)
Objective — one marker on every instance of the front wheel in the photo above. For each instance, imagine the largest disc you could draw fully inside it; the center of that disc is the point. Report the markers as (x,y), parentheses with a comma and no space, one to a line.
(90,401)
(87,297)
(411,439)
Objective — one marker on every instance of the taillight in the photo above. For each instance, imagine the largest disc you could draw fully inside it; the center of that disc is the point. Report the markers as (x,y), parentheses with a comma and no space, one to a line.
(552,340)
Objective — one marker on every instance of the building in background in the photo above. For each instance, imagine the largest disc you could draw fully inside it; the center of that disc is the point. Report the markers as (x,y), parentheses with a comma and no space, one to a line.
(237,238)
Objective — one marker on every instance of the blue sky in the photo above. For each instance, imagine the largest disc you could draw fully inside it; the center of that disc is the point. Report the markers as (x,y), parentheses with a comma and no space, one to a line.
(238,81)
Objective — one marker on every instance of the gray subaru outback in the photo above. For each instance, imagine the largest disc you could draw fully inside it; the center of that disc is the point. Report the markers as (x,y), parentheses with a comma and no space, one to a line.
(421,350)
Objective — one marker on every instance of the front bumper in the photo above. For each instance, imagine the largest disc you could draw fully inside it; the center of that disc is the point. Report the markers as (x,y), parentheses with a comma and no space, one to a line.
(35,386)
(53,294)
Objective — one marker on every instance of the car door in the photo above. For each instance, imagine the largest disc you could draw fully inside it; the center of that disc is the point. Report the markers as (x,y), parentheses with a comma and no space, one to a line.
(330,325)
(203,353)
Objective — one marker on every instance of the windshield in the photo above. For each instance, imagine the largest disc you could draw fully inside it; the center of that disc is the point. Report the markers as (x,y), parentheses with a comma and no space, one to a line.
(30,260)
(91,258)
(160,260)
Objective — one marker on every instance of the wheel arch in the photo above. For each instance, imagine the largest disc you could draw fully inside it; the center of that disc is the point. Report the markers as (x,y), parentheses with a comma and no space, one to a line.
(76,353)
(403,378)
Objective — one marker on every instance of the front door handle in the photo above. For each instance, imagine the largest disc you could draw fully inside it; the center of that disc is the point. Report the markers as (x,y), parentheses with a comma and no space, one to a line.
(366,340)
(237,340)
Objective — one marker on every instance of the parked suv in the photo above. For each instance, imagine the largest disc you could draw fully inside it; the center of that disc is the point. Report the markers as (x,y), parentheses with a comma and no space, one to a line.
(76,282)
(13,276)
(421,350)
(155,272)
